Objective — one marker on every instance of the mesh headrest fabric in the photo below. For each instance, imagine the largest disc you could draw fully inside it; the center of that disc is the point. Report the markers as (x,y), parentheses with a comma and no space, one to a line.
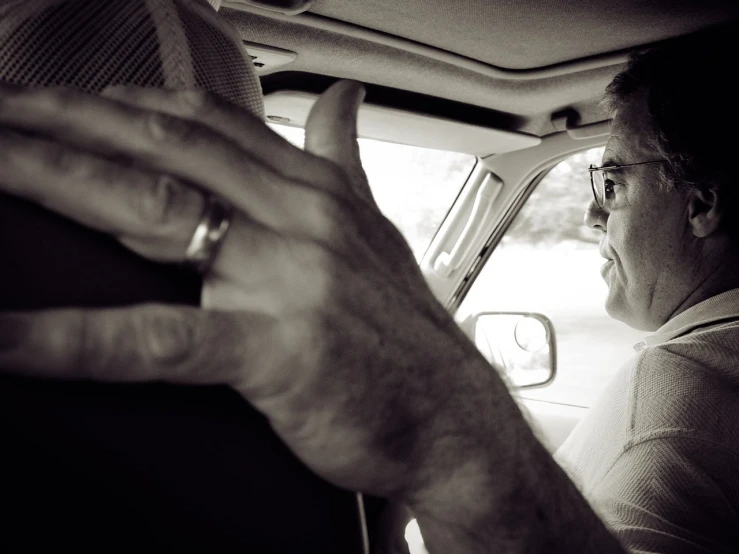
(90,44)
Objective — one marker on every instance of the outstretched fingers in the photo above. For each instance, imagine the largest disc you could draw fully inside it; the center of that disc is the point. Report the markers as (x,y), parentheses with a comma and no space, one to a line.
(155,214)
(249,132)
(185,149)
(152,214)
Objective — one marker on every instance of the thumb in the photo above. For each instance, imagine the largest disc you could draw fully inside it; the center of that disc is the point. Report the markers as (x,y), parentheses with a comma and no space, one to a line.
(331,130)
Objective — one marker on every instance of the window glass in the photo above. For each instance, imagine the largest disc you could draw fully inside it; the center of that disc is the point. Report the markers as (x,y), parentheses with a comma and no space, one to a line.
(414,187)
(548,262)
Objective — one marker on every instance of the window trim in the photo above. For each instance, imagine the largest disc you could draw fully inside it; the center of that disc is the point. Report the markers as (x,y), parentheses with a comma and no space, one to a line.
(501,229)
(462,188)
(496,236)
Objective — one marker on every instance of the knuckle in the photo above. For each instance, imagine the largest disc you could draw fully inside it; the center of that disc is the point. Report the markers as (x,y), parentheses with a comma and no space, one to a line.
(18,158)
(67,163)
(166,203)
(168,337)
(168,129)
(104,345)
(68,167)
(93,351)
(195,103)
(58,98)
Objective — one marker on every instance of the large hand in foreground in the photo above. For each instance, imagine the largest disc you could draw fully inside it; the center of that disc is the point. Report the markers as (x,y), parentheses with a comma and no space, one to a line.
(333,335)
(336,339)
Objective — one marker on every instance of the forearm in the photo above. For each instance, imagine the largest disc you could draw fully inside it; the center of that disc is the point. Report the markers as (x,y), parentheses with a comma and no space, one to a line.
(514,498)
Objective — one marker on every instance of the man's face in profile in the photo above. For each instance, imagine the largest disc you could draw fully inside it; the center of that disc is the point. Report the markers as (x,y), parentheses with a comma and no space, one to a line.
(644,240)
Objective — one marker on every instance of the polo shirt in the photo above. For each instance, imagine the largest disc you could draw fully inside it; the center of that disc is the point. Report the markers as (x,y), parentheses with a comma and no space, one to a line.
(657,456)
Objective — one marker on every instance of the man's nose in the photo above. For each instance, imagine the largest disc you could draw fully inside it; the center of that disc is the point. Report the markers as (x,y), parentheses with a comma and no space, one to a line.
(595,216)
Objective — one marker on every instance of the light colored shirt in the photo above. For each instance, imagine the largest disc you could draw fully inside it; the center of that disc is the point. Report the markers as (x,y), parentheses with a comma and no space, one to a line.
(657,456)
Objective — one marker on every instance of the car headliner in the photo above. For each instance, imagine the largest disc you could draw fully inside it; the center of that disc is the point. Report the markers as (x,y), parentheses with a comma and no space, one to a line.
(521,61)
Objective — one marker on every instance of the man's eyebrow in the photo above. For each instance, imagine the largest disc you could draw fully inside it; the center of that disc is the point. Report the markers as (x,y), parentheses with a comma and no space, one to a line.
(610,154)
(611,159)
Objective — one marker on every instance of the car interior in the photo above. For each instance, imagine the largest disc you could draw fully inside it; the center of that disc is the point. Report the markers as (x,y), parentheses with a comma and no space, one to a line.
(514,85)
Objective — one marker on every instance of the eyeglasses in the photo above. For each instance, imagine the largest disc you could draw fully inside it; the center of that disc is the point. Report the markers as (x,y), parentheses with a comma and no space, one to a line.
(600,183)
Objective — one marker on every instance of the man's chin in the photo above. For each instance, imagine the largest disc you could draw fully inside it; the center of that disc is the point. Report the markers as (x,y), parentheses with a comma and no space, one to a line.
(615,311)
(618,309)
(616,306)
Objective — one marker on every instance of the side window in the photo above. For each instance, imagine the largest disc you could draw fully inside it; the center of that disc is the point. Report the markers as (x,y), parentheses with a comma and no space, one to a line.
(414,187)
(548,262)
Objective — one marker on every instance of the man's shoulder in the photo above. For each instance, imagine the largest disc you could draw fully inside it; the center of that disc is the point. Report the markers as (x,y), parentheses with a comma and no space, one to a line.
(689,387)
(706,357)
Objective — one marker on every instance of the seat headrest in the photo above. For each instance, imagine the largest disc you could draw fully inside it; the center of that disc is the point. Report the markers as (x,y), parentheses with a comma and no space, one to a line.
(90,44)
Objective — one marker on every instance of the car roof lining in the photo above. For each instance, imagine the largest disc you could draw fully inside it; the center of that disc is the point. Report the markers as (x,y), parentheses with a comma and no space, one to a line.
(400,43)
(396,69)
(520,34)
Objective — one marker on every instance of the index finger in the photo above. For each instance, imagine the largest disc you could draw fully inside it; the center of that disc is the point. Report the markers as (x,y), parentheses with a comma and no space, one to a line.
(232,121)
(186,149)
(126,122)
(54,110)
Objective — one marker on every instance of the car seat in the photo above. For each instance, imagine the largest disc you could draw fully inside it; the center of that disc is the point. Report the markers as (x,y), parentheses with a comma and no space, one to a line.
(114,468)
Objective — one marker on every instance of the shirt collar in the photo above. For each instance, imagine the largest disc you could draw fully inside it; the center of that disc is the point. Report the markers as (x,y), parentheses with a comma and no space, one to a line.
(717,308)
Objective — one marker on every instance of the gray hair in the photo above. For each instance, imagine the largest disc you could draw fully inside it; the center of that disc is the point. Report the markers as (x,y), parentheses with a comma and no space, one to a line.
(691,100)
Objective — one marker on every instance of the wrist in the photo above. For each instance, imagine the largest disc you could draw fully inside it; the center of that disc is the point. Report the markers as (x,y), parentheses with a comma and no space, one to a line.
(475,508)
(488,485)
(482,477)
(475,448)
(521,502)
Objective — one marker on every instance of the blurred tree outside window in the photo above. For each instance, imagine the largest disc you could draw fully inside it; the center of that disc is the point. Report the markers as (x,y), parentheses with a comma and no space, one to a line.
(548,262)
(414,187)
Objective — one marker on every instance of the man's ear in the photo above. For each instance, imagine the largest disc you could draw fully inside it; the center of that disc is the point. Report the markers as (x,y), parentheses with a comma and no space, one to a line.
(705,212)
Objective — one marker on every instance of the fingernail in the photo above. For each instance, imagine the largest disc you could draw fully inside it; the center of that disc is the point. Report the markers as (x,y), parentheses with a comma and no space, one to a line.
(359,91)
(13,331)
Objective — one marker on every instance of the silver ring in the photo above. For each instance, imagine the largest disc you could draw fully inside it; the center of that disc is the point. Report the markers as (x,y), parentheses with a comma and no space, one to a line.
(208,237)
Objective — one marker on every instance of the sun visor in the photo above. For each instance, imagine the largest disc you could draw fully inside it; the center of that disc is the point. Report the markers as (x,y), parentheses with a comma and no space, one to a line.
(287,7)
(404,127)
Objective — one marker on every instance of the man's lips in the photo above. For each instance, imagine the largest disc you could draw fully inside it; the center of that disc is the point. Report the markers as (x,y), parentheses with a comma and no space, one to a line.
(606,268)
(603,250)
(608,265)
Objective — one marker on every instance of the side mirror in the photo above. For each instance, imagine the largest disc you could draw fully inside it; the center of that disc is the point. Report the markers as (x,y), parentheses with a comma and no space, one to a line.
(521,345)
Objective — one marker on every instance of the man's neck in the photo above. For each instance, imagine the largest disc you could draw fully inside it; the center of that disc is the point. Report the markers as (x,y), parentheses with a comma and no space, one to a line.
(723,278)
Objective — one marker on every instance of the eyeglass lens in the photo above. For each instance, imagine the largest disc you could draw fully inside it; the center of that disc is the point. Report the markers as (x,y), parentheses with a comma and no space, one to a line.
(598,182)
